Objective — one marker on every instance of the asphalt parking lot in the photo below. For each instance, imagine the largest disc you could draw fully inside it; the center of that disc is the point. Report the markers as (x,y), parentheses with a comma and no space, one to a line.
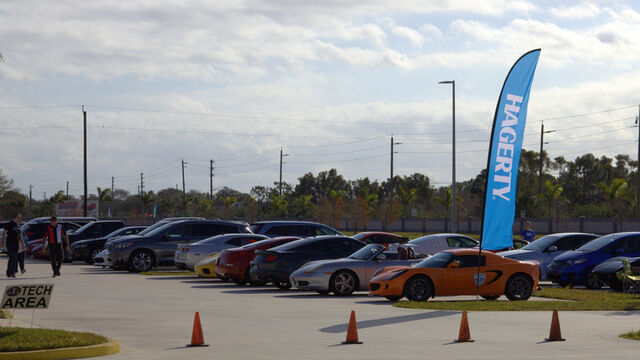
(152,317)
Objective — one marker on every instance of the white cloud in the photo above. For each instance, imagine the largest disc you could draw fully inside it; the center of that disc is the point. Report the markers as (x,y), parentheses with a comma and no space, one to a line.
(431,31)
(582,11)
(412,35)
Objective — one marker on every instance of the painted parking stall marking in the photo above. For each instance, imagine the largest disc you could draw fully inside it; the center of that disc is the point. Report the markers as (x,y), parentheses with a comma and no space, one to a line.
(28,296)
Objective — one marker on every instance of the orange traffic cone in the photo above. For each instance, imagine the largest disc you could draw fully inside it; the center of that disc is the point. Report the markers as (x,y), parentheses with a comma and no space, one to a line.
(464,335)
(352,332)
(554,332)
(196,336)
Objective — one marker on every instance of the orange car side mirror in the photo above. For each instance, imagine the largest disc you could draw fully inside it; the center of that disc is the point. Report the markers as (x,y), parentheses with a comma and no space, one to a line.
(454,264)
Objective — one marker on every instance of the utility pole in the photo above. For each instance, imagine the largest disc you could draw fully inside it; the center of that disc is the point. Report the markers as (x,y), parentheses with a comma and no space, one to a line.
(211,162)
(542,132)
(67,189)
(391,170)
(30,200)
(280,182)
(112,186)
(141,183)
(638,169)
(84,117)
(184,193)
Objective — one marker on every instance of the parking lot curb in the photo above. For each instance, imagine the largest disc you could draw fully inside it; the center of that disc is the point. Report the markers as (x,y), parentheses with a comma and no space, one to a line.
(109,348)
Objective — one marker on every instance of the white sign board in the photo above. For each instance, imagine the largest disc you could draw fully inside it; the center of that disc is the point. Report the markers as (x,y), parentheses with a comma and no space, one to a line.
(76,208)
(27,296)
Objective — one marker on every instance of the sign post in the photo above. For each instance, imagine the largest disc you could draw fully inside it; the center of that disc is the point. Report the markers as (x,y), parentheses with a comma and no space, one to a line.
(27,296)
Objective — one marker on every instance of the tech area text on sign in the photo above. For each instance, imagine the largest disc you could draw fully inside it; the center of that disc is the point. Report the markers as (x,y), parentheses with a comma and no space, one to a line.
(27,296)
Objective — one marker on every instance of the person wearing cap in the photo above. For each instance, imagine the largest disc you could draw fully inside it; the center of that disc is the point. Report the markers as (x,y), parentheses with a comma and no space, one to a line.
(55,235)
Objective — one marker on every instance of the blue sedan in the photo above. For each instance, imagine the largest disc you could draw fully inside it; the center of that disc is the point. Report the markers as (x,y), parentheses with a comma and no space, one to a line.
(574,267)
(546,248)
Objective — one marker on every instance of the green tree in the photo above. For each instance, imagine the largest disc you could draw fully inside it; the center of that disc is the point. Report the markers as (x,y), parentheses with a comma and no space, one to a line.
(615,195)
(228,203)
(103,195)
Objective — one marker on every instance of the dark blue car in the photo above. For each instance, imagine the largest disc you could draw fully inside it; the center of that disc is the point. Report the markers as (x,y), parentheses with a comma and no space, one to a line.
(276,264)
(574,267)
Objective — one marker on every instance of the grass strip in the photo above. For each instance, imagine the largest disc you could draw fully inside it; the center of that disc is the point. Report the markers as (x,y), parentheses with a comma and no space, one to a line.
(25,339)
(168,273)
(567,300)
(631,335)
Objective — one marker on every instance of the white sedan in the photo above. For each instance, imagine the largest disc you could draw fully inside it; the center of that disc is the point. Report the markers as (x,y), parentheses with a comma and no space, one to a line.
(432,244)
(188,255)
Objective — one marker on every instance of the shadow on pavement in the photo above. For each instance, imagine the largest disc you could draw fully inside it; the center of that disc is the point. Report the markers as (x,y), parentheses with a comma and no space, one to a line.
(273,290)
(216,286)
(379,301)
(389,321)
(308,295)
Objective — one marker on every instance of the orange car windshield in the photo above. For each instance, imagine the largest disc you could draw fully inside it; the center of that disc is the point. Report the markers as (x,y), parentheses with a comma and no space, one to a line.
(439,260)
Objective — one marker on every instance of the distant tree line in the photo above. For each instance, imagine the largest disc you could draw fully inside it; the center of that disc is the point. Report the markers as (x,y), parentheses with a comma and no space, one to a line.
(588,186)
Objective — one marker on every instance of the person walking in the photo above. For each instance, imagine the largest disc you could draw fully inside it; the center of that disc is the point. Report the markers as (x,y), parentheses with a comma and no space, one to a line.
(10,241)
(22,250)
(53,238)
(527,234)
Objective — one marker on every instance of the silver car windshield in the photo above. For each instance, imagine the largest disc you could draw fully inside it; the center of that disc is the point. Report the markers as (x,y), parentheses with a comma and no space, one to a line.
(366,252)
(542,243)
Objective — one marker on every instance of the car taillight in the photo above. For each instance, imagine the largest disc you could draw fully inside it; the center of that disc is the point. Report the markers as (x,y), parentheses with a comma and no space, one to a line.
(271,257)
(185,249)
(218,261)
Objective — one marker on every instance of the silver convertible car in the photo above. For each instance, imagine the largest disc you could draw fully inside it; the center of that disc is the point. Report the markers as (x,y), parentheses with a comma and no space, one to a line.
(344,276)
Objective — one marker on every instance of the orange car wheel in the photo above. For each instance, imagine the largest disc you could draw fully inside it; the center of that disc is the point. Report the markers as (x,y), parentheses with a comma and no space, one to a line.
(519,287)
(418,288)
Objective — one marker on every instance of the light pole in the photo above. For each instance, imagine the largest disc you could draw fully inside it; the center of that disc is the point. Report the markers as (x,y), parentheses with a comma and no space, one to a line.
(454,217)
(280,182)
(542,132)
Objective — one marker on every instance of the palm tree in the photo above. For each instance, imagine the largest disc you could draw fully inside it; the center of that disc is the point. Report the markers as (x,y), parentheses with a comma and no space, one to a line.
(407,198)
(103,195)
(304,204)
(551,193)
(228,202)
(614,194)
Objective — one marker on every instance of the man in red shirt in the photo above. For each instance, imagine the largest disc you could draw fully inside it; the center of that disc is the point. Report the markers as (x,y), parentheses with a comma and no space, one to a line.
(55,235)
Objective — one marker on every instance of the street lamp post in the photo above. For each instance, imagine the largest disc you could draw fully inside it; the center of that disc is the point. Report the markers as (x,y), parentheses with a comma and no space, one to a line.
(454,217)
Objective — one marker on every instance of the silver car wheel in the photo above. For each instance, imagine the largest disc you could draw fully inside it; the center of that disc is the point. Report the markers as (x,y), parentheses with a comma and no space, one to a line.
(141,261)
(94,253)
(343,283)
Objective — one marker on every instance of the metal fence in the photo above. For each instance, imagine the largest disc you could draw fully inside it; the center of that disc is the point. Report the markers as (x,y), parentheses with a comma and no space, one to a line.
(472,225)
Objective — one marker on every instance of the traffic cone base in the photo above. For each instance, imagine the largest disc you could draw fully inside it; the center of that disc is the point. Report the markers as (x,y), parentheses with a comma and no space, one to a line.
(352,331)
(554,332)
(197,338)
(464,335)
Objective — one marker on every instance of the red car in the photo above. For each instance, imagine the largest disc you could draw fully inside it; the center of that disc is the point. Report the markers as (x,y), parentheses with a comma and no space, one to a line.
(382,238)
(234,263)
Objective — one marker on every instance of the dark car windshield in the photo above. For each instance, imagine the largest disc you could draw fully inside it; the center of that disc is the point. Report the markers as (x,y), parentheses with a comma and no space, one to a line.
(598,243)
(116,233)
(152,227)
(438,260)
(542,243)
(158,230)
(366,252)
(83,228)
(255,228)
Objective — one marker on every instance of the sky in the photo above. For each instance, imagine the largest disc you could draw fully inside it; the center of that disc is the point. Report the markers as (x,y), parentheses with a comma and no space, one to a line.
(329,82)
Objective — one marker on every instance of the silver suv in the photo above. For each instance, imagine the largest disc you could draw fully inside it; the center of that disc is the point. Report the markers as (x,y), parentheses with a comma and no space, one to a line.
(158,247)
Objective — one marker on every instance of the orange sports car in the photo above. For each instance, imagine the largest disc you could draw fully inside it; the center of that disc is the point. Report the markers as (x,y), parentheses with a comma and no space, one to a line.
(455,272)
